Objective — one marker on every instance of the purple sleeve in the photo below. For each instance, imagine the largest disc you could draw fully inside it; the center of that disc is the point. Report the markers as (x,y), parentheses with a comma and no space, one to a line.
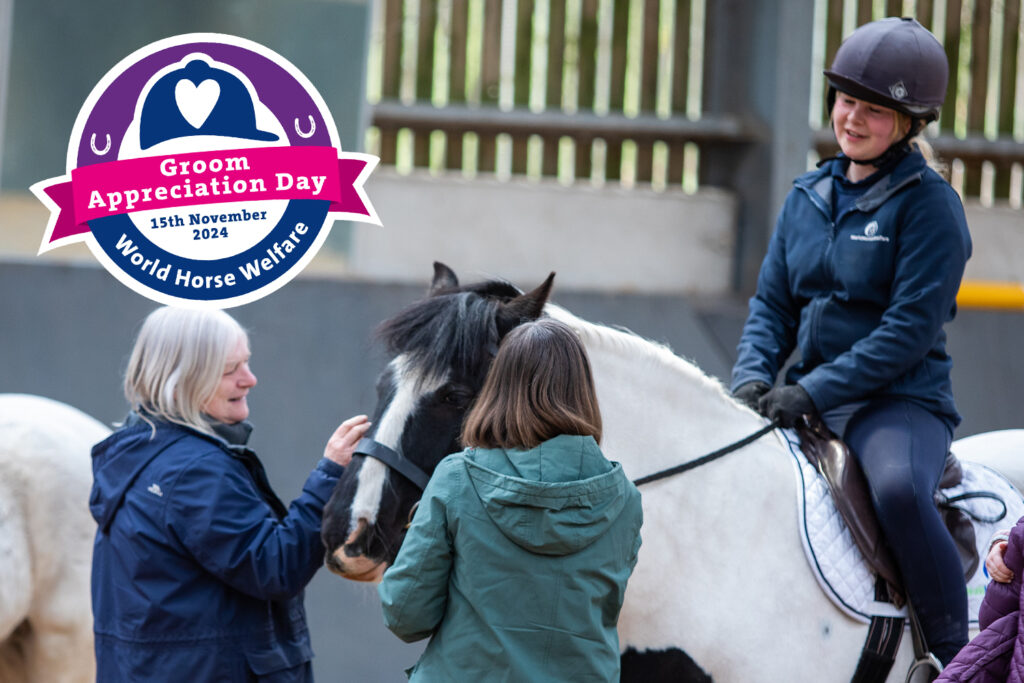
(1003,598)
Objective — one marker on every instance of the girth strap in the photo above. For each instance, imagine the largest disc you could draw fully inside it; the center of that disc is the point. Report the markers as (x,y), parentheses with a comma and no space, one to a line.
(378,451)
(879,652)
(882,642)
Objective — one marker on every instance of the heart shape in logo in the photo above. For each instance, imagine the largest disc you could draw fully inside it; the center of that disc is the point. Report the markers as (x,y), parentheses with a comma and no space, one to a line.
(195,102)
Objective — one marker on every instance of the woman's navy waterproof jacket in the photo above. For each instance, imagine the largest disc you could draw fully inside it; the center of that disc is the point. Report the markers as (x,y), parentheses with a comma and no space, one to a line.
(865,296)
(198,570)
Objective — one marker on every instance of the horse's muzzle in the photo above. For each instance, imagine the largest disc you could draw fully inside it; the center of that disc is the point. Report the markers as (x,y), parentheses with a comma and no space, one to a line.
(355,569)
(350,560)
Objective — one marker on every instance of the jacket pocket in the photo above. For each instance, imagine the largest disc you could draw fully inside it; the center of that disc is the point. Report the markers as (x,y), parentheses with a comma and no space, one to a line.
(278,659)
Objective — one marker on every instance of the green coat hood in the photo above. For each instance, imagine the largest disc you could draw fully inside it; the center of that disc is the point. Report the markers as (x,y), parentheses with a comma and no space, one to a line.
(515,566)
(554,499)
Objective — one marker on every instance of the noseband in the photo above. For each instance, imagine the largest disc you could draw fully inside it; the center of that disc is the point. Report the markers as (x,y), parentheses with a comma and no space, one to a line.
(378,451)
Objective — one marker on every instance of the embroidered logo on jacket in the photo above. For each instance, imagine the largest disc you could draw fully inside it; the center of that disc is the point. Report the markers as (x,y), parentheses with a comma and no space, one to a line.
(154,489)
(870,234)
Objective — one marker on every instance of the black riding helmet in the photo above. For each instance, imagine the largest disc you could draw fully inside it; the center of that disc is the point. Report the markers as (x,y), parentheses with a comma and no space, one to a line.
(895,63)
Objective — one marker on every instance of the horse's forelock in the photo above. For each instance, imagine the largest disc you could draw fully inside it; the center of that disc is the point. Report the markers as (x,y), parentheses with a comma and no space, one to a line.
(451,332)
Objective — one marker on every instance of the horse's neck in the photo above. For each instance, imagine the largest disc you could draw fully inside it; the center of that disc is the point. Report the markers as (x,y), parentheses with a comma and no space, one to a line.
(658,410)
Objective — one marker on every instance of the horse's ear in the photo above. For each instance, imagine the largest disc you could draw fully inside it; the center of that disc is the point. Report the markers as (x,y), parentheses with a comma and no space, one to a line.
(523,308)
(444,278)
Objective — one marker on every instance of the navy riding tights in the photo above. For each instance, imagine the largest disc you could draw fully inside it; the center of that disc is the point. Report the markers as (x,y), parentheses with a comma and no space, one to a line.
(902,449)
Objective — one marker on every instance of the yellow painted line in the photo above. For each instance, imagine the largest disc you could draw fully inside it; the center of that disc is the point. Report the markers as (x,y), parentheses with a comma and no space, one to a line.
(986,294)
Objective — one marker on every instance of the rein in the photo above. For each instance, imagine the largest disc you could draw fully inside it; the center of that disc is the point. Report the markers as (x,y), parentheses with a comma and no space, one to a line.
(705,459)
(378,451)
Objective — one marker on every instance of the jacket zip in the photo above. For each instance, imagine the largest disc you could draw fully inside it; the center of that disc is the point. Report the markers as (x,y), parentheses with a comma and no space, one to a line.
(818,303)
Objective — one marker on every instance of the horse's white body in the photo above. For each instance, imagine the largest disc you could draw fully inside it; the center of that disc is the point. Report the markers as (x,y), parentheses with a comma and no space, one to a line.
(46,535)
(1001,450)
(722,574)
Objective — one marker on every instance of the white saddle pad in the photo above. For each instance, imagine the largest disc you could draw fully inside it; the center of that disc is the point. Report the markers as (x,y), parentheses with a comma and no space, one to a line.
(836,561)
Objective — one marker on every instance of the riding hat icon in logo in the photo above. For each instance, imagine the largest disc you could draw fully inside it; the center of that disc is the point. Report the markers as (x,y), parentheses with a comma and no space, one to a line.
(204,170)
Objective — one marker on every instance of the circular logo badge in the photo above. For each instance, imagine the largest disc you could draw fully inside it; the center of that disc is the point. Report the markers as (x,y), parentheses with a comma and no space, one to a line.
(898,90)
(204,170)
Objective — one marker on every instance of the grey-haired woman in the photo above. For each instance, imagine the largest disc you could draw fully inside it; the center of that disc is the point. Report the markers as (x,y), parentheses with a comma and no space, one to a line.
(198,567)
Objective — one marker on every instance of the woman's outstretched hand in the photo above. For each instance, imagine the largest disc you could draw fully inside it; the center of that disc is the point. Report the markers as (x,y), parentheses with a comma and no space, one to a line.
(344,439)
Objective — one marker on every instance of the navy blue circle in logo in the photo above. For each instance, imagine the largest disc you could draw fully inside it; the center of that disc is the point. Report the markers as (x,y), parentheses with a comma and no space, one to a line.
(219,279)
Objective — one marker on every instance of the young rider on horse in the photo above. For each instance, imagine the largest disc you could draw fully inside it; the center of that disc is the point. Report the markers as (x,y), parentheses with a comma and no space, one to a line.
(861,275)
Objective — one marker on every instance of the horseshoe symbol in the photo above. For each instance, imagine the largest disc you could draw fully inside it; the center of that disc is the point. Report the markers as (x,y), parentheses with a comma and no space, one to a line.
(312,128)
(99,152)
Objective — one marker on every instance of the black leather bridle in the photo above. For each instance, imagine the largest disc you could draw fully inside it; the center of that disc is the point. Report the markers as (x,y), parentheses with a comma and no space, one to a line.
(378,451)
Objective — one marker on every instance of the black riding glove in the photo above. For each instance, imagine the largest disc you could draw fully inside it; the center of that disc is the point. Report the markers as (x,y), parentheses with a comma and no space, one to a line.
(750,393)
(787,405)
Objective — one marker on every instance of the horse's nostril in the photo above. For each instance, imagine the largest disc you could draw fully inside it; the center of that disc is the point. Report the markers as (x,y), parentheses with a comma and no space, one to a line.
(356,543)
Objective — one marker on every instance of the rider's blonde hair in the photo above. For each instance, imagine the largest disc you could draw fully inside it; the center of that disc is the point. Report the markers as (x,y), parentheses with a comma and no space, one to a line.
(177,362)
(921,144)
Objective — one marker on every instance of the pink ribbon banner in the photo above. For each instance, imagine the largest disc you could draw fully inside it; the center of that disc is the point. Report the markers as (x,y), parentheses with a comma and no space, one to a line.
(197,178)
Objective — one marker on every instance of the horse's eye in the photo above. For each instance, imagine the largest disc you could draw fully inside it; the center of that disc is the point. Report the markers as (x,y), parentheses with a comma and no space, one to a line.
(453,396)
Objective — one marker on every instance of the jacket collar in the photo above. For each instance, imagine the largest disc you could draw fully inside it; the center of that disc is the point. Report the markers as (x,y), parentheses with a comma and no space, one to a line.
(233,438)
(818,183)
(232,434)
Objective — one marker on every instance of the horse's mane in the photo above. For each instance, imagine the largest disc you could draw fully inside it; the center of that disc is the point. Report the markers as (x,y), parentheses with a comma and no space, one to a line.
(455,328)
(640,349)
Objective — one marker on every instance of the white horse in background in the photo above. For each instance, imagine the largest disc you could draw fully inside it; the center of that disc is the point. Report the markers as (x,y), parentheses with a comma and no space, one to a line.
(46,537)
(1002,450)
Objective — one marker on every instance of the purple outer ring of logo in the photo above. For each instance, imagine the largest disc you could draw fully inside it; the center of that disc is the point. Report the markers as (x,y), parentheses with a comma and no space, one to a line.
(276,88)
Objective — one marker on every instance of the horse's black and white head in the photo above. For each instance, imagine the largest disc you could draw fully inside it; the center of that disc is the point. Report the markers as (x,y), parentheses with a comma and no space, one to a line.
(442,347)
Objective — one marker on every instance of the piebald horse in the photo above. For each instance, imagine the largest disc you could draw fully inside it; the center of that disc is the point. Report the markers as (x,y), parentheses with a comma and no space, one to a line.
(46,536)
(722,588)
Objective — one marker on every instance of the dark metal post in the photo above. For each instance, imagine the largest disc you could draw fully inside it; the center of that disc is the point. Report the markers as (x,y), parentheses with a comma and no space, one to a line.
(6,31)
(757,67)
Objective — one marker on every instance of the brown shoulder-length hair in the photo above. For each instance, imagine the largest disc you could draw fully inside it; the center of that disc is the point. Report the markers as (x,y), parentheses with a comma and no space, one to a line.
(540,386)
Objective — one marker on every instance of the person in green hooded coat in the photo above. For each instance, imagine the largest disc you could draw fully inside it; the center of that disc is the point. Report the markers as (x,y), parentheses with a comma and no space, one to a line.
(516,562)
